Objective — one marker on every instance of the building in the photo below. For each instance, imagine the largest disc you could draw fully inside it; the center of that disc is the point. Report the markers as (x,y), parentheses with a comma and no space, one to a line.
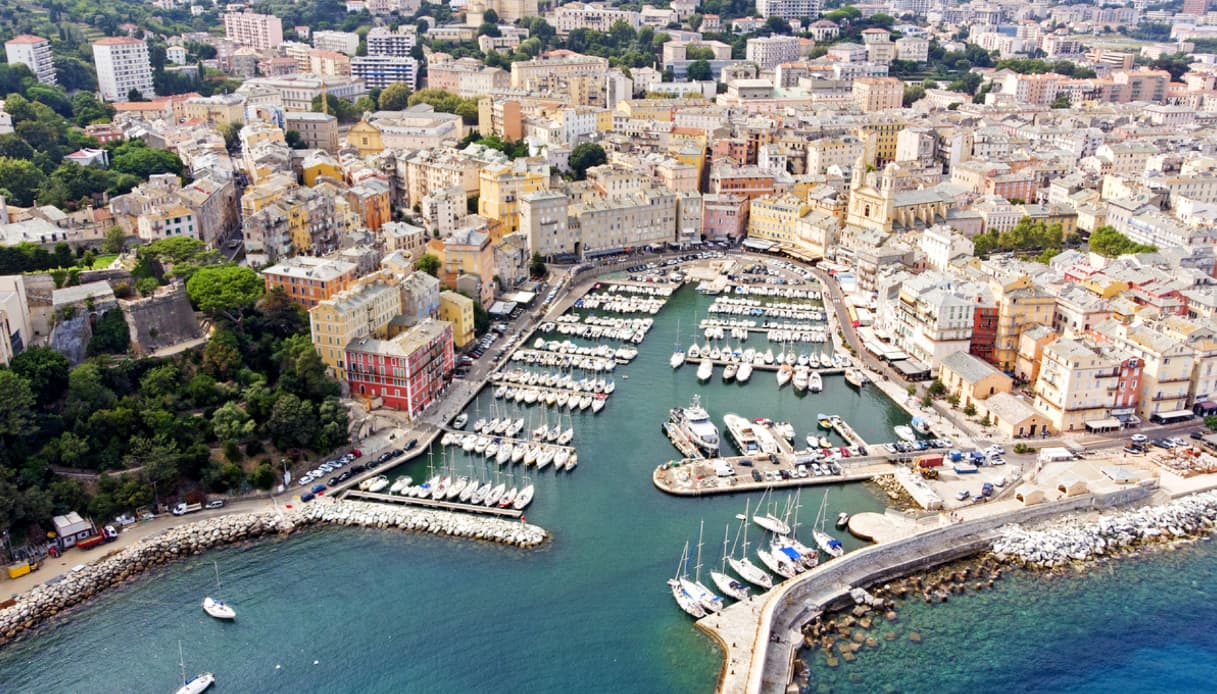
(466,252)
(219,109)
(419,127)
(1166,366)
(308,280)
(122,65)
(774,218)
(626,222)
(770,51)
(258,31)
(601,18)
(166,221)
(35,53)
(1020,305)
(971,378)
(544,222)
(338,41)
(457,309)
(872,94)
(501,187)
(363,310)
(788,9)
(1079,385)
(407,372)
(379,71)
(398,43)
(316,130)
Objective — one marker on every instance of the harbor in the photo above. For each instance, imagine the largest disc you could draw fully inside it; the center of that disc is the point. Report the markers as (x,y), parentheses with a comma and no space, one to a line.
(632,555)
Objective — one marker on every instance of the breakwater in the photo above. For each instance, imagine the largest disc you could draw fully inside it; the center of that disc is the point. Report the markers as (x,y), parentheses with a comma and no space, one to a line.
(1111,533)
(48,600)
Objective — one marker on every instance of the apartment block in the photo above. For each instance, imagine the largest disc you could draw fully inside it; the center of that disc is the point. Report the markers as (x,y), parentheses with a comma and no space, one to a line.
(771,51)
(363,310)
(379,71)
(872,94)
(543,220)
(339,41)
(308,280)
(258,31)
(501,187)
(626,222)
(407,372)
(122,65)
(457,309)
(1080,384)
(35,53)
(382,41)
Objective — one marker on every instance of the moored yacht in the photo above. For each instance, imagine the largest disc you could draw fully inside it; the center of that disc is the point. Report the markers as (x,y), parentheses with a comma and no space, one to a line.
(697,425)
(705,370)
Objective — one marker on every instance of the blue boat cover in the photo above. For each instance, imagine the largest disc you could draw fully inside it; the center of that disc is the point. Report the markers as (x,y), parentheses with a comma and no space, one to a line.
(791,552)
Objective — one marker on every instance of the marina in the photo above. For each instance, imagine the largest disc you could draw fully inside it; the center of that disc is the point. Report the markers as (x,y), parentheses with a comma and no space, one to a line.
(432,503)
(632,555)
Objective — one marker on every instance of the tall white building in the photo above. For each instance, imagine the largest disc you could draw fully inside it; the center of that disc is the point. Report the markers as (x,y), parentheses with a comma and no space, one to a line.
(34,52)
(122,65)
(338,41)
(771,51)
(258,31)
(788,9)
(379,71)
(381,41)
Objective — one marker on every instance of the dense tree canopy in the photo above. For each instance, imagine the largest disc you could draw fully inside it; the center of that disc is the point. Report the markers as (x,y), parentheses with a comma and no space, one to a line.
(1106,241)
(584,156)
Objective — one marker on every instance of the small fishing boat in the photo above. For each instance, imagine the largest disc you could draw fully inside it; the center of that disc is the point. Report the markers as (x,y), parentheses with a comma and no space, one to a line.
(705,370)
(459,422)
(842,520)
(905,433)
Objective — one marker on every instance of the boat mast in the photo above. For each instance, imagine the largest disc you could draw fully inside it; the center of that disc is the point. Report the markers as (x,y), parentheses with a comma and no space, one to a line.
(726,536)
(697,567)
(216,564)
(181,659)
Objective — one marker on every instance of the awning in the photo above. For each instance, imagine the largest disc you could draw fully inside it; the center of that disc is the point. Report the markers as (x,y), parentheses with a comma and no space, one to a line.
(1172,415)
(606,251)
(1205,408)
(1104,424)
(911,368)
(758,244)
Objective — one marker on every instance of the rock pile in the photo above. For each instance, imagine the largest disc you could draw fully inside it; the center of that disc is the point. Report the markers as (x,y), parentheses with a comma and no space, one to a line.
(48,600)
(1078,540)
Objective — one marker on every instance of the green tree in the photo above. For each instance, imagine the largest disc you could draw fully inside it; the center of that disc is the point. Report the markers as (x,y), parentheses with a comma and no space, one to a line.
(231,133)
(110,334)
(937,388)
(1108,242)
(87,393)
(115,240)
(226,290)
(1061,101)
(428,264)
(1210,422)
(332,432)
(16,404)
(138,159)
(699,71)
(263,477)
(20,181)
(292,422)
(584,156)
(536,267)
(46,370)
(231,423)
(913,94)
(395,97)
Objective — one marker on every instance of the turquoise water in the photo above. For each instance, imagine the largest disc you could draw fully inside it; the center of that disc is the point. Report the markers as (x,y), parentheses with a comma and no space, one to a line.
(1137,624)
(389,612)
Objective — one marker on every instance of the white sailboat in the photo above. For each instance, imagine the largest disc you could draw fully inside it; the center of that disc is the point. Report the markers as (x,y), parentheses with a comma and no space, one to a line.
(772,523)
(705,370)
(196,684)
(524,496)
(217,608)
(678,355)
(744,373)
(684,599)
(706,597)
(723,580)
(743,565)
(829,544)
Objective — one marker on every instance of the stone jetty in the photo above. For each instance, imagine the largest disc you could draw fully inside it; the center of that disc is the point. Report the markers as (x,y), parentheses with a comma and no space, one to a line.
(48,600)
(1111,533)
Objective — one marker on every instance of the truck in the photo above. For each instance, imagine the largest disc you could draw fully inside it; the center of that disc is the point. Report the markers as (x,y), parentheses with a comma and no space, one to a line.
(184,508)
(929,460)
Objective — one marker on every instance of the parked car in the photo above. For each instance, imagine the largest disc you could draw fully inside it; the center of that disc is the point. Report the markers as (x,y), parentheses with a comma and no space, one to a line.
(1139,438)
(963,495)
(214,503)
(305,498)
(1163,443)
(319,488)
(411,444)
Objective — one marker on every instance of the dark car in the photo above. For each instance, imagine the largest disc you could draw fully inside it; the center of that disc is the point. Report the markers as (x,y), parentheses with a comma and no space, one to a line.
(756,476)
(355,470)
(334,480)
(317,489)
(410,444)
(1198,435)
(305,498)
(346,476)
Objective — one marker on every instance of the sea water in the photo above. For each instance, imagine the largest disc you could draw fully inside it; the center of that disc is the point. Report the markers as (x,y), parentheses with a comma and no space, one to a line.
(386,611)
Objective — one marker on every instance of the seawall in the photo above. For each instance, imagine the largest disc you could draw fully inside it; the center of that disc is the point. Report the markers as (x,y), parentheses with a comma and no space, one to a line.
(48,600)
(765,637)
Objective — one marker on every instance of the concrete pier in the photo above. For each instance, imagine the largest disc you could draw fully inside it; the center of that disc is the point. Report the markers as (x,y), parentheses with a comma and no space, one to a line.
(694,477)
(360,495)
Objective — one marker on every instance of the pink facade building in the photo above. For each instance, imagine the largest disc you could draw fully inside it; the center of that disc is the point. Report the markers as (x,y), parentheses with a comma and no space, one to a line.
(407,372)
(724,217)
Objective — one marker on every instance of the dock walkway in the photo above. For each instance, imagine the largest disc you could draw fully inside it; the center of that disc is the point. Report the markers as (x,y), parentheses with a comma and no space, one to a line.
(432,503)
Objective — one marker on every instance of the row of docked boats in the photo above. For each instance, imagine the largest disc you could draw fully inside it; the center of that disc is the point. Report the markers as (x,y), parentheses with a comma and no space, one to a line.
(620,355)
(622,329)
(538,452)
(781,292)
(560,381)
(568,399)
(782,555)
(658,290)
(752,307)
(564,361)
(467,489)
(621,304)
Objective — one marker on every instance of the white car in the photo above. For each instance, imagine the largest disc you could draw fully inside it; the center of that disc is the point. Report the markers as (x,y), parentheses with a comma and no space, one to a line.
(995,449)
(1139,438)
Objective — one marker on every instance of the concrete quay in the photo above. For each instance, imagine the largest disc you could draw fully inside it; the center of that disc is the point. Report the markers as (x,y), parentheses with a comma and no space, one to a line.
(761,637)
(699,477)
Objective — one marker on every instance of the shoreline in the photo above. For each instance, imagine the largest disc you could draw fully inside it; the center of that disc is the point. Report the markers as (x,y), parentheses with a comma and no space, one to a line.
(39,605)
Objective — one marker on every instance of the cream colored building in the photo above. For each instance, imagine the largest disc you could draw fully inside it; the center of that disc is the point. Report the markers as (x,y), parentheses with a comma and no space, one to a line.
(1075,384)
(878,93)
(501,187)
(543,221)
(625,222)
(1166,377)
(364,310)
(457,309)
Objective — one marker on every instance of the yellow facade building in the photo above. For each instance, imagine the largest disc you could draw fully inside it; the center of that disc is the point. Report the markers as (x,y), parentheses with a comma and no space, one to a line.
(499,193)
(457,309)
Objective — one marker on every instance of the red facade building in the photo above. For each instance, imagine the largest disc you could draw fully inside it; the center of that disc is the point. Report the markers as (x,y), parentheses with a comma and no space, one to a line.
(405,373)
(984,333)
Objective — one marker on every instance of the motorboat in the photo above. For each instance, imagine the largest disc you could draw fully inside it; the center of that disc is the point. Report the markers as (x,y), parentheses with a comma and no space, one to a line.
(705,370)
(677,358)
(842,520)
(920,425)
(479,425)
(856,377)
(802,376)
(742,434)
(814,382)
(459,422)
(905,433)
(378,483)
(697,425)
(399,484)
(824,421)
(729,373)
